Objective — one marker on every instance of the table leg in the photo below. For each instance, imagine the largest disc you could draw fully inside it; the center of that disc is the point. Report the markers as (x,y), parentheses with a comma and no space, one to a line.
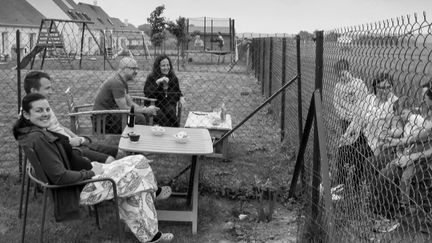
(191,179)
(195,195)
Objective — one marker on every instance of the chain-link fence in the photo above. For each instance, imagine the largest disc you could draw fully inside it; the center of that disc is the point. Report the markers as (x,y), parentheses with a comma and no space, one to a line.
(375,107)
(81,58)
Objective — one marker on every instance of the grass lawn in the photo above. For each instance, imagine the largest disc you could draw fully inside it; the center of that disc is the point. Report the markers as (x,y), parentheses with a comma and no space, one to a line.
(255,153)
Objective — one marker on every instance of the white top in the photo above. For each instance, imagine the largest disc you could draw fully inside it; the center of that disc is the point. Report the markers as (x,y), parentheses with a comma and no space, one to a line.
(203,119)
(377,118)
(55,125)
(346,96)
(199,142)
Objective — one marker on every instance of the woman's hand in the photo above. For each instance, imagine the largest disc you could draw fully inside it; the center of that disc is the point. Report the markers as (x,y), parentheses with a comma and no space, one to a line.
(182,101)
(76,141)
(162,80)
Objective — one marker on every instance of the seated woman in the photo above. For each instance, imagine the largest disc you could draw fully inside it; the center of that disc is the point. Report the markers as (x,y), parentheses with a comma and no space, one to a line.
(162,84)
(406,182)
(133,175)
(369,126)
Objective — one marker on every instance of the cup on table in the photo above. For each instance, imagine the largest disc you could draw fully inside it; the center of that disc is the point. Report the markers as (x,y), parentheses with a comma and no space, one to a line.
(133,137)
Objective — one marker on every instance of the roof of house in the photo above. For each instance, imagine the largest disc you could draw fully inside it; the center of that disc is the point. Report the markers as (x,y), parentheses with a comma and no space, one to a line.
(72,10)
(19,13)
(96,15)
(49,8)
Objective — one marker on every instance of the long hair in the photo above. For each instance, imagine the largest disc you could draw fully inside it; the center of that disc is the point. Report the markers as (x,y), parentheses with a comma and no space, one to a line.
(156,72)
(26,105)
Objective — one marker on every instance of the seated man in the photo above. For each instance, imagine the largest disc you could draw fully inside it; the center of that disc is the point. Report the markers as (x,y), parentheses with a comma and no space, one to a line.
(114,94)
(40,82)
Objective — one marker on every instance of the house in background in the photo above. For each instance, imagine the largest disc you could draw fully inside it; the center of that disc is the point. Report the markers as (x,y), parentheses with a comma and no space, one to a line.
(26,15)
(18,15)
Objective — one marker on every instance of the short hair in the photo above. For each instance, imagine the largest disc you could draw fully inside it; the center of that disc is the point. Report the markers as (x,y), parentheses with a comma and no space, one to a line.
(126,62)
(381,78)
(340,65)
(32,80)
(28,99)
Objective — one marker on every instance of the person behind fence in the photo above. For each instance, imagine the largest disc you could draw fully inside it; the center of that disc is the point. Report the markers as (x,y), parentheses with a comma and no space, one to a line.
(220,41)
(368,129)
(347,93)
(404,185)
(40,82)
(135,181)
(114,94)
(162,84)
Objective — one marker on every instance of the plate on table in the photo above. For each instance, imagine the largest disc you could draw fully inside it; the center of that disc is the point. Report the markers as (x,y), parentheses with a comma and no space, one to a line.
(158,130)
(181,137)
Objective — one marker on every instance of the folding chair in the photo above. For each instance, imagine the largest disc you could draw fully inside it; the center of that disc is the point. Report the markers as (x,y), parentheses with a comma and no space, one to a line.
(36,174)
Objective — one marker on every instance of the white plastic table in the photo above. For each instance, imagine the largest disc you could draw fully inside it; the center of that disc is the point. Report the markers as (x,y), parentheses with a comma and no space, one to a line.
(199,143)
(201,119)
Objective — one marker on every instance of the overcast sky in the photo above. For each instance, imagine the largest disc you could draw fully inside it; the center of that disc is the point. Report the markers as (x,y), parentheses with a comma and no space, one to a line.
(271,16)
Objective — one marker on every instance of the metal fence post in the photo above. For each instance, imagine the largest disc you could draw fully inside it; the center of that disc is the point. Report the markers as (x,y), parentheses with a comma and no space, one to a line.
(263,65)
(283,96)
(18,57)
(299,89)
(270,77)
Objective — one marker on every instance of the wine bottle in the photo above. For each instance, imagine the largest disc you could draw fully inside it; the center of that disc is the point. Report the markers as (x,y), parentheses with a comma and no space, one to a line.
(223,112)
(131,117)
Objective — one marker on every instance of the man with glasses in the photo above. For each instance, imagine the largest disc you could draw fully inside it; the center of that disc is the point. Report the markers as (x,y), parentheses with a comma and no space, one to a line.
(114,94)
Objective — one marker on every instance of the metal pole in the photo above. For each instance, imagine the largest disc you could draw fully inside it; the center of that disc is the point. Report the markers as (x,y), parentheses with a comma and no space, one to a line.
(316,178)
(283,96)
(18,57)
(263,66)
(270,75)
(299,89)
(82,45)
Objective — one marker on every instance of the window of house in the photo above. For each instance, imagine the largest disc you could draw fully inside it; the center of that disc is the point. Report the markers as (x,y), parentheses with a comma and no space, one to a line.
(109,21)
(100,20)
(4,42)
(80,15)
(32,37)
(72,15)
(86,16)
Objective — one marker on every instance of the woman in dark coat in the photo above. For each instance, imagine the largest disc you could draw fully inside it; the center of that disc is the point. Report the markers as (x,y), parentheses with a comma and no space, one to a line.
(162,84)
(61,166)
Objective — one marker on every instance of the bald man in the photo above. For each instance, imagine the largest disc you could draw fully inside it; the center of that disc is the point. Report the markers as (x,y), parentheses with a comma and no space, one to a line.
(114,94)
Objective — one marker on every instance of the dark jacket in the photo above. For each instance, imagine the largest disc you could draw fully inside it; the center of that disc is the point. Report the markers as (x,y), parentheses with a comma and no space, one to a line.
(55,156)
(152,90)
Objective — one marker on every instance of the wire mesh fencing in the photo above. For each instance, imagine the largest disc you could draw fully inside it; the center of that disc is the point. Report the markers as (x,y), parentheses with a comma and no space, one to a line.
(375,109)
(207,82)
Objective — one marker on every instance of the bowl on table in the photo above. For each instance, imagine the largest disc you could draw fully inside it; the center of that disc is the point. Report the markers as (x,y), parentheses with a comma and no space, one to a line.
(134,137)
(181,137)
(158,130)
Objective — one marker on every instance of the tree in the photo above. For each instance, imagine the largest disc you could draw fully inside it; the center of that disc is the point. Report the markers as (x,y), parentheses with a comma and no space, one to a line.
(179,30)
(158,24)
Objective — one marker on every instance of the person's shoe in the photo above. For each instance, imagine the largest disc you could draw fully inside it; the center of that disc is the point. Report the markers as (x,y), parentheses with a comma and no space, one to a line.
(384,225)
(162,237)
(163,193)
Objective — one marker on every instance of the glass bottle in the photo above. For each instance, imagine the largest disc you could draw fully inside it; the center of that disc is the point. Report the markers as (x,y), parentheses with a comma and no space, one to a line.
(131,117)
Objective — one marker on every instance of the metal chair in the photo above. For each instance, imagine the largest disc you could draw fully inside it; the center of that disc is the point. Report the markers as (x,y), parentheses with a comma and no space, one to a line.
(37,175)
(99,119)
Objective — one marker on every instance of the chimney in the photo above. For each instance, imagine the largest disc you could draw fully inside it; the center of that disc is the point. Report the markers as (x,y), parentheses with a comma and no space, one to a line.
(95,2)
(126,22)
